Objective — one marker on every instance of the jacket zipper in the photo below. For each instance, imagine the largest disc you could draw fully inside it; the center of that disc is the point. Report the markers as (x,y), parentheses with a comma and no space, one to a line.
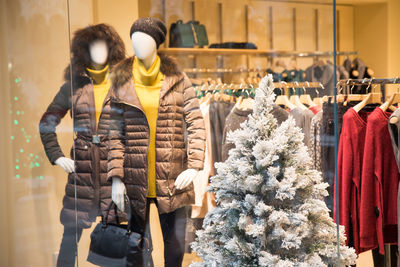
(148,143)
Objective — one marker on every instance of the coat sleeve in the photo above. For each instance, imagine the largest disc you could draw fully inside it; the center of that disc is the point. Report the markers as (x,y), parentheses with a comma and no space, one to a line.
(195,127)
(116,143)
(49,121)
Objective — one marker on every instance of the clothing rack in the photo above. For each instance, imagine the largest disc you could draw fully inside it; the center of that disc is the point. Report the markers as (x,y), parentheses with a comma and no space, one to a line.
(278,85)
(251,52)
(381,82)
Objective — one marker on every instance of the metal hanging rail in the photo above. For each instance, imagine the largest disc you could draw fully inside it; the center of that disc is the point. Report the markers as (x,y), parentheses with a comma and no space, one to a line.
(281,85)
(250,52)
(369,81)
(381,82)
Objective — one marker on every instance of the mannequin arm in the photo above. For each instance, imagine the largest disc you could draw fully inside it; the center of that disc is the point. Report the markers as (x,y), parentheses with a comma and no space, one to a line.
(115,144)
(185,178)
(118,193)
(49,121)
(195,127)
(67,164)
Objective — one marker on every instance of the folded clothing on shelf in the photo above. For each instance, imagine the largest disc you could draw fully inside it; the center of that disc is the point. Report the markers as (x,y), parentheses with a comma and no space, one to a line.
(234,45)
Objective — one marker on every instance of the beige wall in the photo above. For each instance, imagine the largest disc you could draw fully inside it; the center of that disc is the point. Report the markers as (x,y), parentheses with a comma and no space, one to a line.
(375,36)
(371,36)
(233,27)
(121,14)
(6,221)
(393,40)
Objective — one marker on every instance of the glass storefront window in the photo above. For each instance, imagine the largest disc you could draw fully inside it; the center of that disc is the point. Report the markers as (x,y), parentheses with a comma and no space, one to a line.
(155,125)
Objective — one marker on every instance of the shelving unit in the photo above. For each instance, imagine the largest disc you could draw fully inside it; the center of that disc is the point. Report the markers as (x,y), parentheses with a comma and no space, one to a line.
(221,53)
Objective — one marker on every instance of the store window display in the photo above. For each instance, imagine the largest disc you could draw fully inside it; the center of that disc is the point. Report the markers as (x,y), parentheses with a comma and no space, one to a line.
(157,137)
(95,49)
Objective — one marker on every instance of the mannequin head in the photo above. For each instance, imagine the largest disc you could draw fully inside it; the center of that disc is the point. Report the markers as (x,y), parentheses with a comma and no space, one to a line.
(147,34)
(98,51)
(94,44)
(145,46)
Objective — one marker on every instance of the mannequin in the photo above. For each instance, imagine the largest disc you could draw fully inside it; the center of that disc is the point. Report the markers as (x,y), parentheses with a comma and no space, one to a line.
(146,50)
(98,51)
(86,91)
(157,138)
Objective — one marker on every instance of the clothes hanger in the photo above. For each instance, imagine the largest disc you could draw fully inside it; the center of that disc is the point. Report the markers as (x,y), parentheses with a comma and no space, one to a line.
(371,98)
(283,100)
(295,99)
(240,98)
(356,97)
(318,100)
(222,95)
(203,98)
(246,103)
(340,98)
(393,99)
(213,88)
(306,98)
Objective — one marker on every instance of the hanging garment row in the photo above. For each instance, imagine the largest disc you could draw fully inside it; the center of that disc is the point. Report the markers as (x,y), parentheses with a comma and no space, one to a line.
(367,167)
(225,107)
(231,104)
(321,71)
(368,207)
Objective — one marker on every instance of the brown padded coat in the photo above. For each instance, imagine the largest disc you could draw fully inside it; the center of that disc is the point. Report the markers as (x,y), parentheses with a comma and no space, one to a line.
(129,137)
(92,186)
(93,190)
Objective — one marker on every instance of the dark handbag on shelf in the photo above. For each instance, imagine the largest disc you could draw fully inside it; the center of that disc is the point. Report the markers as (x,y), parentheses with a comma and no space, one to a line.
(115,244)
(188,34)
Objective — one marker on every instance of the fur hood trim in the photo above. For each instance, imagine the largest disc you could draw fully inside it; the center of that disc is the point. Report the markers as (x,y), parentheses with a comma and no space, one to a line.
(122,72)
(80,55)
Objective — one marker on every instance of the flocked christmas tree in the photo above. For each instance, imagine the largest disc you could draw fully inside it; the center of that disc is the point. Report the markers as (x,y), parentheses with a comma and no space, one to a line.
(270,209)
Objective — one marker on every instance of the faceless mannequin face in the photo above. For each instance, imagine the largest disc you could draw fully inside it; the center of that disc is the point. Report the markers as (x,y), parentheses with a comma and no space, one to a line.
(98,52)
(144,45)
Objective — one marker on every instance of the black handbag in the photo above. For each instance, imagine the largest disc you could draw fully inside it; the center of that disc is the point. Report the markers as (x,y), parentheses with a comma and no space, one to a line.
(188,34)
(115,244)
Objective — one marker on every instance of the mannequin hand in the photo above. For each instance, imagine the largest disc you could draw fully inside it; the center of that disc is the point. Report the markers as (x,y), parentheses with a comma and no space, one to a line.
(118,193)
(67,164)
(185,178)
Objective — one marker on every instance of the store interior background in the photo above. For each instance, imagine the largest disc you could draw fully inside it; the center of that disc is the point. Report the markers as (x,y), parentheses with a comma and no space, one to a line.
(34,53)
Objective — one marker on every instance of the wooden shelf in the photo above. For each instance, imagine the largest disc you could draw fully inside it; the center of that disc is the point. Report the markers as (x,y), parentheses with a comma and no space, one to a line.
(246,52)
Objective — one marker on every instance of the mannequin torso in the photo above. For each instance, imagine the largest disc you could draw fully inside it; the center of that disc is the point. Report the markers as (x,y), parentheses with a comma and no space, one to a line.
(146,51)
(98,54)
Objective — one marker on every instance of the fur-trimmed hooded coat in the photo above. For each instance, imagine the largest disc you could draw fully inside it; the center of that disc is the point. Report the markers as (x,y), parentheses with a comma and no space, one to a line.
(93,190)
(180,137)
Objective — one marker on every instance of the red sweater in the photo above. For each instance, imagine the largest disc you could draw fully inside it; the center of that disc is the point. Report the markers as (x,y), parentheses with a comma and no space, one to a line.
(379,184)
(315,109)
(350,159)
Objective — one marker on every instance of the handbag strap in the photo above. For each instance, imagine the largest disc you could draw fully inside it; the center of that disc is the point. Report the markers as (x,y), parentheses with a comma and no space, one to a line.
(127,207)
(104,219)
(128,211)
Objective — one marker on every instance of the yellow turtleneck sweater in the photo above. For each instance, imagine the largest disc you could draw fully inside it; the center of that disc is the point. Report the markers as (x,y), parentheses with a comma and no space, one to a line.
(148,86)
(101,85)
